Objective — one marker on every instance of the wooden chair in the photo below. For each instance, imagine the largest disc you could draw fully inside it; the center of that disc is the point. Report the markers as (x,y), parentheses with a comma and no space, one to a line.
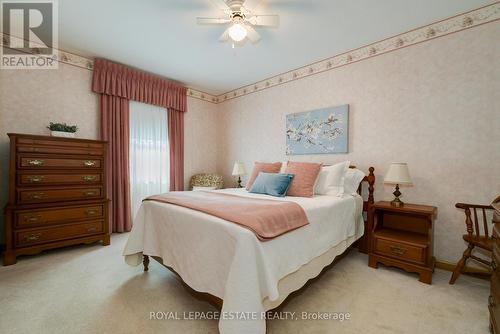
(474,237)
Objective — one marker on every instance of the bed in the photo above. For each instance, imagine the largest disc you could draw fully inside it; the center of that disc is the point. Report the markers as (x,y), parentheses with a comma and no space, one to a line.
(231,268)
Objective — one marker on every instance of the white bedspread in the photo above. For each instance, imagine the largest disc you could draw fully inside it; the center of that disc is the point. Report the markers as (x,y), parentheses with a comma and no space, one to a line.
(219,257)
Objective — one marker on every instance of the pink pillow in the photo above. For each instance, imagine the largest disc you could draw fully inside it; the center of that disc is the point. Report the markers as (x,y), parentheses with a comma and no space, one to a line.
(262,167)
(306,174)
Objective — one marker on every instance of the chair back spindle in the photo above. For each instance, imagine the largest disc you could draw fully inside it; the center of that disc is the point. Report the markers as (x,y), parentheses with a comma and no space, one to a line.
(472,218)
(485,223)
(476,222)
(468,221)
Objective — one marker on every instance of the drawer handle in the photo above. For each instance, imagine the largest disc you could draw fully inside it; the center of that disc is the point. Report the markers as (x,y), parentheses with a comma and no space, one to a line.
(493,265)
(91,229)
(89,163)
(35,162)
(89,193)
(33,237)
(89,178)
(91,212)
(32,219)
(36,195)
(491,301)
(35,178)
(397,250)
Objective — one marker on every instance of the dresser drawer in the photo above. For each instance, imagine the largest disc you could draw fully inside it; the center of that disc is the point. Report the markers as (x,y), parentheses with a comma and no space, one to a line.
(52,216)
(399,250)
(36,236)
(60,150)
(41,162)
(58,179)
(26,196)
(61,142)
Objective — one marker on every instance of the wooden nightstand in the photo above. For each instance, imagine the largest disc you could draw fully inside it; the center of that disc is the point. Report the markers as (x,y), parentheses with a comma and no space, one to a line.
(403,237)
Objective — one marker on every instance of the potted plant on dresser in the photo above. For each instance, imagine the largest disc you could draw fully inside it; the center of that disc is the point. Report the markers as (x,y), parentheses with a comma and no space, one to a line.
(62,130)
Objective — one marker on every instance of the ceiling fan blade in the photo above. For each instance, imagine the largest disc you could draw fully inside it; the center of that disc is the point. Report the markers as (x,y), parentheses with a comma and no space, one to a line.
(225,36)
(252,35)
(264,20)
(212,20)
(221,4)
(251,5)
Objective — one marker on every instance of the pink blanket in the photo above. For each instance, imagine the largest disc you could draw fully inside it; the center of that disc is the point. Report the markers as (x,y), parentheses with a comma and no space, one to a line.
(266,218)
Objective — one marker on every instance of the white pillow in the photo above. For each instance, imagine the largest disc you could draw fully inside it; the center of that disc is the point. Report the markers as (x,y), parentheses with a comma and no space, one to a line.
(283,167)
(203,188)
(331,179)
(351,181)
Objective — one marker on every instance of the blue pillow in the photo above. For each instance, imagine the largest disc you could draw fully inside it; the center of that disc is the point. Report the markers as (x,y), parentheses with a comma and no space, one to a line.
(273,184)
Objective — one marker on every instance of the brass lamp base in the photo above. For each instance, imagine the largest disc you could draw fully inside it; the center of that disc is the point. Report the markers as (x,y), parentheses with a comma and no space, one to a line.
(396,202)
(239,182)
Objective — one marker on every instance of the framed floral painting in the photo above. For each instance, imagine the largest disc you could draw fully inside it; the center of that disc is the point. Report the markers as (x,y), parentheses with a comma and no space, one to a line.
(321,131)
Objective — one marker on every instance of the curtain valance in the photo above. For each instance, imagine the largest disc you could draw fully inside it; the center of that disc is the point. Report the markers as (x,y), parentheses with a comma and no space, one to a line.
(118,80)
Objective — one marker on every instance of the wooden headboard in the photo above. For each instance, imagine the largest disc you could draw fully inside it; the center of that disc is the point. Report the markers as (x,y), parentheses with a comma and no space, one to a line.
(368,180)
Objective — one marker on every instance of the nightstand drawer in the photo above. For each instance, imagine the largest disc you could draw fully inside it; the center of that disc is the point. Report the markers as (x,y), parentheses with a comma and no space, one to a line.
(399,250)
(403,237)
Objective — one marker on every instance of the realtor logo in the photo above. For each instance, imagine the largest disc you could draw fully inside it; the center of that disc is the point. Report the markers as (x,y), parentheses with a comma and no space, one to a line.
(29,34)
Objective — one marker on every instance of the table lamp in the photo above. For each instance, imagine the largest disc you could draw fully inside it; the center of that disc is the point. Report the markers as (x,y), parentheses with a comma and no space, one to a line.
(239,170)
(398,174)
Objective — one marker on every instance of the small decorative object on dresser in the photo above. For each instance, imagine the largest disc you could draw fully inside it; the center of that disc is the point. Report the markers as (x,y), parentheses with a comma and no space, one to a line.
(403,237)
(398,174)
(239,170)
(494,298)
(62,130)
(57,194)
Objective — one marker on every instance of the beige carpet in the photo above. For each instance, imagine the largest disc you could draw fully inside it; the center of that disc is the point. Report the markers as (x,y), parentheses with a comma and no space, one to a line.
(89,289)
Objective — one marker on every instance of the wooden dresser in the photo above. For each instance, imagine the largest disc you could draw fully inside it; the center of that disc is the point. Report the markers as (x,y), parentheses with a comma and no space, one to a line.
(57,194)
(494,298)
(403,237)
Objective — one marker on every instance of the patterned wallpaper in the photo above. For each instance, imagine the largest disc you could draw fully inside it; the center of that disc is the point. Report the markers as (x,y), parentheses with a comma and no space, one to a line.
(434,106)
(29,100)
(435,30)
(88,64)
(438,29)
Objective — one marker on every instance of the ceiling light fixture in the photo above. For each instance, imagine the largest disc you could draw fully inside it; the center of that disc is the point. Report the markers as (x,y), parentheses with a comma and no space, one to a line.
(241,17)
(237,32)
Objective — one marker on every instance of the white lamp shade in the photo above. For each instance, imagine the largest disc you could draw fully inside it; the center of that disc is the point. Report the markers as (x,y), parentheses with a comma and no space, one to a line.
(398,173)
(239,169)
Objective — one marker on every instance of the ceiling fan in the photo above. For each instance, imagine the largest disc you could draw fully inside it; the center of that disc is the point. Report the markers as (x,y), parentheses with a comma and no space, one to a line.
(241,17)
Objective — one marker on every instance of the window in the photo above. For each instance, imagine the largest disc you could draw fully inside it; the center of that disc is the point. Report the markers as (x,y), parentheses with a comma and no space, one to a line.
(149,152)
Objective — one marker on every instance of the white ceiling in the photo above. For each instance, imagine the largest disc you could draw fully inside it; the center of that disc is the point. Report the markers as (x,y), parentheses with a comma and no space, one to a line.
(161,36)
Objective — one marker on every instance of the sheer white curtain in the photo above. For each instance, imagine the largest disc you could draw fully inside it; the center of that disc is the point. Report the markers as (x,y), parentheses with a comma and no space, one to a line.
(149,152)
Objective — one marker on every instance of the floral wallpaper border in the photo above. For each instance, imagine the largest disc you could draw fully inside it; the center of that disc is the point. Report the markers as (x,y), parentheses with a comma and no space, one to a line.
(486,14)
(88,64)
(473,18)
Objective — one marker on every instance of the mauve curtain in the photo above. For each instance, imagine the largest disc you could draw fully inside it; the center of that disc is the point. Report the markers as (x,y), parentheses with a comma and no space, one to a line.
(176,141)
(115,130)
(118,80)
(118,84)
